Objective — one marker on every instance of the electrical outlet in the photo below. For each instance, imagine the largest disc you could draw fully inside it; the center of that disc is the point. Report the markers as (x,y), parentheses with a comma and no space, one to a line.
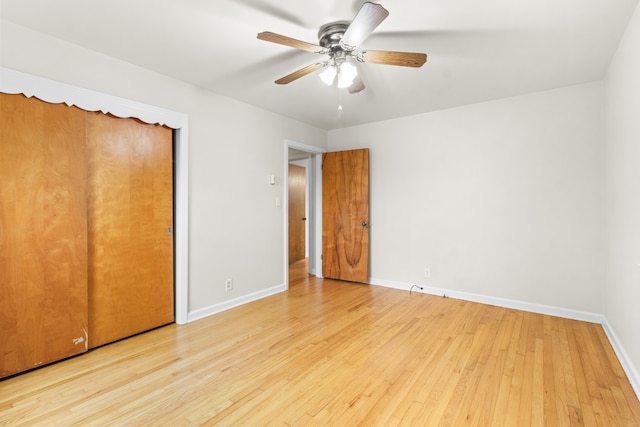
(228,285)
(427,273)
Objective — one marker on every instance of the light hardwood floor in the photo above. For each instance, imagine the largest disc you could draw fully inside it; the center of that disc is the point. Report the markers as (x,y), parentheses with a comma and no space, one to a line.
(339,354)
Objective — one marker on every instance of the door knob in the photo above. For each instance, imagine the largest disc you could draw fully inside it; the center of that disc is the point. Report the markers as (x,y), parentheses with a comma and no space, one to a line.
(364,223)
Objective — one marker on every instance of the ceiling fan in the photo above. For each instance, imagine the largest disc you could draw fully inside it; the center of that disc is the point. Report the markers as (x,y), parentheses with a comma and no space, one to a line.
(339,41)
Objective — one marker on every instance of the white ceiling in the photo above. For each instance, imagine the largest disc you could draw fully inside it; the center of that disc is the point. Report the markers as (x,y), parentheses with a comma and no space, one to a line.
(477,50)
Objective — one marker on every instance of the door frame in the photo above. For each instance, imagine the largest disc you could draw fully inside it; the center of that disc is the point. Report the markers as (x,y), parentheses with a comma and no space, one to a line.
(314,218)
(16,82)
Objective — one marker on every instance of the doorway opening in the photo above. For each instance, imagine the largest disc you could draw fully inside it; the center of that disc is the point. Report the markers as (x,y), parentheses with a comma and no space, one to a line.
(298,204)
(309,158)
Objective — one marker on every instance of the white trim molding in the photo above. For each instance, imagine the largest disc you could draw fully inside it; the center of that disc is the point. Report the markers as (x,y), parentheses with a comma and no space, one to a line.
(236,302)
(625,361)
(500,302)
(16,82)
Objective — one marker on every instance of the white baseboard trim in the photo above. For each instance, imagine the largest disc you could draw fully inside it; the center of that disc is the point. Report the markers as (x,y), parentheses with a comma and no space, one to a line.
(500,302)
(226,305)
(627,365)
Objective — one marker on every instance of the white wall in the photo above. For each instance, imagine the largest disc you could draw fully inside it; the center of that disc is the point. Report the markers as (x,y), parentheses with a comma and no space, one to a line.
(622,189)
(501,199)
(236,230)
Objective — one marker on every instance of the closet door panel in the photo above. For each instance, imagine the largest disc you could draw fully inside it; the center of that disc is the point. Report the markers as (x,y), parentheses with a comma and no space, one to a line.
(130,227)
(43,235)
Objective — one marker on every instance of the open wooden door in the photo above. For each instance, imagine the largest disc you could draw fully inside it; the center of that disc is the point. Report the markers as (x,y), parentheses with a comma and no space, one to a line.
(130,227)
(43,233)
(345,215)
(297,212)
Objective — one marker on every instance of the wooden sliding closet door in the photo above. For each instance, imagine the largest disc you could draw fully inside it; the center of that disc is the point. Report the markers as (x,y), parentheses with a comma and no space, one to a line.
(43,236)
(130,227)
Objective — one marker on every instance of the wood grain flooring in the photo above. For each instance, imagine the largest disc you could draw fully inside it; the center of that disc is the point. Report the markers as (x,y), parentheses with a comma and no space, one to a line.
(341,354)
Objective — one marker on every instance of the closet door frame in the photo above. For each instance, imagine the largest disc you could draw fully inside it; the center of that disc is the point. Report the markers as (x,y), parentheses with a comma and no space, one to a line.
(15,82)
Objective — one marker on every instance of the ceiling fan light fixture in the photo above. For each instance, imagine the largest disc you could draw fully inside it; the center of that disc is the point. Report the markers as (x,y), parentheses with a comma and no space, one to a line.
(339,40)
(328,75)
(346,74)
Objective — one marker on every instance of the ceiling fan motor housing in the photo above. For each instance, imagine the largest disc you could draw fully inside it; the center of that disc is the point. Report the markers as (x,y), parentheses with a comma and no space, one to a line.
(330,34)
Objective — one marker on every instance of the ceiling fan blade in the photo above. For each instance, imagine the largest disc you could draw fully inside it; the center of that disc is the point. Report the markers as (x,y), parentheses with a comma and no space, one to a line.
(300,73)
(368,18)
(356,86)
(288,41)
(404,59)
